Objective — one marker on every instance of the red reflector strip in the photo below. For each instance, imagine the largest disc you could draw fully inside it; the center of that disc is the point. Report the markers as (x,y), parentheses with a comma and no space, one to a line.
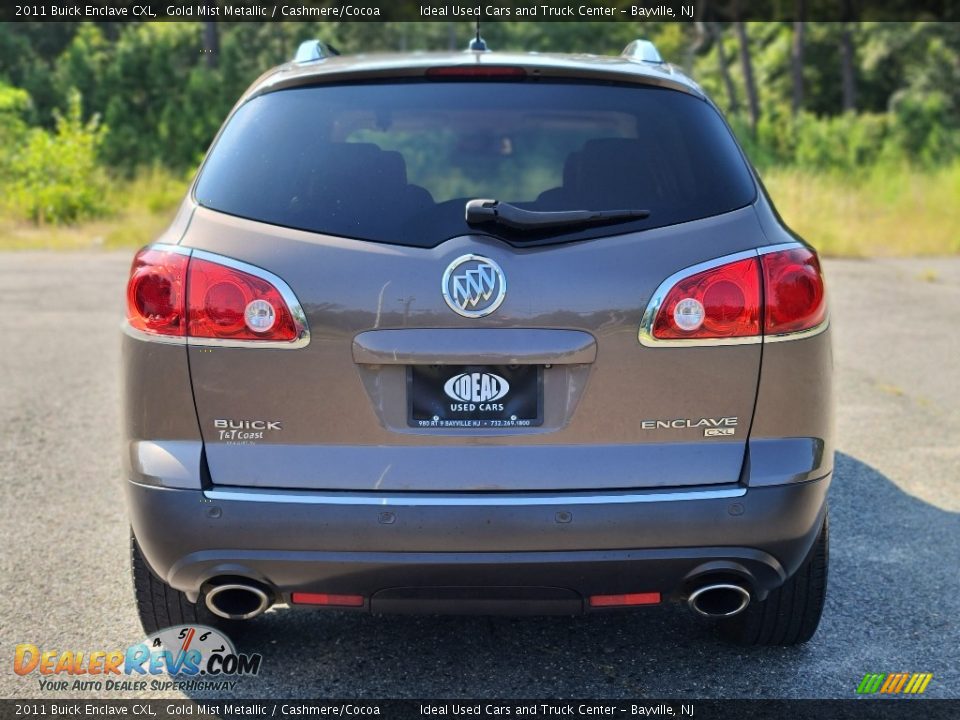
(303,598)
(651,598)
(476,71)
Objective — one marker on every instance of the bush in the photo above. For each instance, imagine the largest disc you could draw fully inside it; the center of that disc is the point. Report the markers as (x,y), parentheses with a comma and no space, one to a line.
(922,128)
(155,189)
(55,176)
(162,105)
(917,132)
(14,105)
(845,142)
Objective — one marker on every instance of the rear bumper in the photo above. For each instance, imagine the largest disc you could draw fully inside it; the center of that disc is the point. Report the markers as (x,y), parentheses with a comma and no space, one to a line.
(478,553)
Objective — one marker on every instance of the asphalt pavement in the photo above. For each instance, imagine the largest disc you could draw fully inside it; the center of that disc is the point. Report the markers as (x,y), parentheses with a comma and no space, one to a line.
(894,592)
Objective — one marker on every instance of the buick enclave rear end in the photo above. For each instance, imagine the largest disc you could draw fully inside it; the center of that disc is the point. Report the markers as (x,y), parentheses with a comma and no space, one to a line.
(479,333)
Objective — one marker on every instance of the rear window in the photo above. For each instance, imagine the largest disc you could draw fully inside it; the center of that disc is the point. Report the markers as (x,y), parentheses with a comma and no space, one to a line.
(397,162)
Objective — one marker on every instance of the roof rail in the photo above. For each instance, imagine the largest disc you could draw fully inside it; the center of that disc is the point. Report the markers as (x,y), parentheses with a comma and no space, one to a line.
(643,51)
(312,50)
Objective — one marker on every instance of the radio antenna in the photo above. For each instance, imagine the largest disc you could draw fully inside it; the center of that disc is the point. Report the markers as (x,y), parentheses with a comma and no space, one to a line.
(478,44)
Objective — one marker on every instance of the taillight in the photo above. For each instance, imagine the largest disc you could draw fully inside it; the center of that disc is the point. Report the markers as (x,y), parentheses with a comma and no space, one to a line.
(156,292)
(722,302)
(793,285)
(223,302)
(197,295)
(773,293)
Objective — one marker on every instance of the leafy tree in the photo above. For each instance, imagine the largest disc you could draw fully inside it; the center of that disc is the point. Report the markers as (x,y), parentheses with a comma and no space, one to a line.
(82,66)
(14,107)
(27,53)
(151,84)
(55,177)
(796,54)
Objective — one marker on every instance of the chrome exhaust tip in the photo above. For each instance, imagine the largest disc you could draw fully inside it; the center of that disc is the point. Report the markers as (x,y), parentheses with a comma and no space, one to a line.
(237,601)
(719,600)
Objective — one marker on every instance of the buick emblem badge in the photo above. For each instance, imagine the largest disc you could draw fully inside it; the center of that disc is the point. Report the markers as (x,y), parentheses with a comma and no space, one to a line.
(474,286)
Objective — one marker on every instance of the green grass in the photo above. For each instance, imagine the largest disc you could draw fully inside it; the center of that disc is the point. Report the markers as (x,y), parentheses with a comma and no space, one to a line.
(886,213)
(883,213)
(142,208)
(126,230)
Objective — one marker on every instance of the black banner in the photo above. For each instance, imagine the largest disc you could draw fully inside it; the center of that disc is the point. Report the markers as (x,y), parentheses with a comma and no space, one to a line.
(636,11)
(863,709)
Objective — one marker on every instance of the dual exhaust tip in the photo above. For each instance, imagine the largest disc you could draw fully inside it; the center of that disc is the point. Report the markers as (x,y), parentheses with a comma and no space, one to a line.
(245,600)
(719,600)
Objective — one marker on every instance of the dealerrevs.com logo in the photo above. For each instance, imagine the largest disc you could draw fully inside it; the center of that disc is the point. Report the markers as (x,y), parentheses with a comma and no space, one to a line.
(183,657)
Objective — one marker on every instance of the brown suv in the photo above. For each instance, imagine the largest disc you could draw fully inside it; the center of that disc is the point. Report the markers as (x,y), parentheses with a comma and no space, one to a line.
(479,333)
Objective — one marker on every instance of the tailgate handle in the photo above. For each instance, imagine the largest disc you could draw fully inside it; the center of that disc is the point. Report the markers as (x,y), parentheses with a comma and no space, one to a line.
(462,346)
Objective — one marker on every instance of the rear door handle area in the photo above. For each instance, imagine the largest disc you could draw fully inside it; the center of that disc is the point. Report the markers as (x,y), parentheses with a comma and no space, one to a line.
(468,346)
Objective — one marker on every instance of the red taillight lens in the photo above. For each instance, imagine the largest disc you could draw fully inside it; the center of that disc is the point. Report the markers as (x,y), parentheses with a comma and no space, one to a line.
(723,302)
(156,292)
(223,302)
(793,286)
(785,287)
(173,293)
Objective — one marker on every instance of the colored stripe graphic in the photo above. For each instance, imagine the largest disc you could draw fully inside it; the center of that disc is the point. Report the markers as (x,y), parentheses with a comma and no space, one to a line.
(870,683)
(894,683)
(923,679)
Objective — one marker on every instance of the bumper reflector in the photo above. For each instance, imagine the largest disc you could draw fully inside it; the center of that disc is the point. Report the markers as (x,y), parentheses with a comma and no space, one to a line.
(304,598)
(650,598)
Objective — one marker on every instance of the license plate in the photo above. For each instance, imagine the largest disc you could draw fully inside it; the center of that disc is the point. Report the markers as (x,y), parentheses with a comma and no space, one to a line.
(475,396)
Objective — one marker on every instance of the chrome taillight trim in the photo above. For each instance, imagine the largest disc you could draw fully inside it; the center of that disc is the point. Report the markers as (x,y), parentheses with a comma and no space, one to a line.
(138,334)
(289,297)
(645,334)
(660,294)
(293,305)
(800,334)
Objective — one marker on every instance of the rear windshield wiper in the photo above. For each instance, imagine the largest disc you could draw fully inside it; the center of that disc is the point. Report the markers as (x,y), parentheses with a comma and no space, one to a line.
(501,213)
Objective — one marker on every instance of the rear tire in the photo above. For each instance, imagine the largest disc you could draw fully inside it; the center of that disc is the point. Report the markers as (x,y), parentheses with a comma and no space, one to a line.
(161,606)
(791,613)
